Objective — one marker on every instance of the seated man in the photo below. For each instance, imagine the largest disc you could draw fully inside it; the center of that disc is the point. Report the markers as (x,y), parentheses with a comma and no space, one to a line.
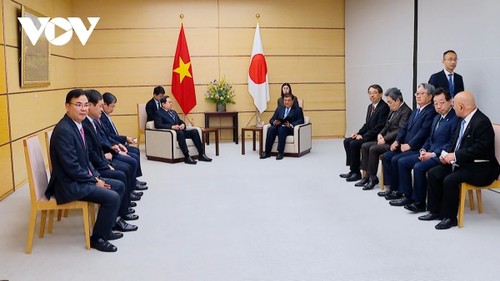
(284,119)
(376,116)
(371,150)
(409,140)
(154,103)
(73,176)
(166,118)
(442,132)
(470,158)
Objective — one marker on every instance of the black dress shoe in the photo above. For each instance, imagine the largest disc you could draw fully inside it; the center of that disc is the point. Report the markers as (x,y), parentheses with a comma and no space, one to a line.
(204,158)
(280,156)
(133,204)
(141,187)
(265,155)
(354,177)
(102,245)
(345,176)
(447,223)
(123,226)
(384,193)
(189,160)
(141,182)
(416,207)
(131,217)
(362,182)
(401,201)
(394,195)
(114,235)
(430,217)
(134,197)
(371,184)
(137,193)
(131,211)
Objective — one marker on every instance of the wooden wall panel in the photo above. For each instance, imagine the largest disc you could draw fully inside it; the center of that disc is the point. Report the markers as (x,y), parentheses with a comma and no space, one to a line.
(4,120)
(6,185)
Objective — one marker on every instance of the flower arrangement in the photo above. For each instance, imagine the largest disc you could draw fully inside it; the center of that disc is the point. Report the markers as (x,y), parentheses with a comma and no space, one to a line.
(220,92)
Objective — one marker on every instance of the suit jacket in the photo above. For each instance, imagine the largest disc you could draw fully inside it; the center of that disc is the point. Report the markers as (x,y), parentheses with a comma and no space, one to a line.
(395,121)
(478,143)
(151,109)
(442,137)
(374,122)
(96,155)
(163,120)
(109,129)
(295,115)
(104,139)
(70,179)
(440,79)
(416,130)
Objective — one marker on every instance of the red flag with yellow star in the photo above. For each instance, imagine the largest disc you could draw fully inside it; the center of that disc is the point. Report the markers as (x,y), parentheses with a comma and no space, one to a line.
(182,76)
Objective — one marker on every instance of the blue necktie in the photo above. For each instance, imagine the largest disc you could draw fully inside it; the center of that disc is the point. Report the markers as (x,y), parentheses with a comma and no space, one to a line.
(286,112)
(416,115)
(450,85)
(460,136)
(171,114)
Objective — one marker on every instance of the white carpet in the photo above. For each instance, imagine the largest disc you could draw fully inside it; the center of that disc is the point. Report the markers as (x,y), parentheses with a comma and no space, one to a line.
(241,218)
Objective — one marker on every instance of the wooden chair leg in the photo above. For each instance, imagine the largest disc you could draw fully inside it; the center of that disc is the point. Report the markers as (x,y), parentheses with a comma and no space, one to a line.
(43,218)
(91,213)
(479,201)
(59,215)
(461,206)
(51,221)
(382,185)
(471,199)
(66,213)
(86,226)
(31,230)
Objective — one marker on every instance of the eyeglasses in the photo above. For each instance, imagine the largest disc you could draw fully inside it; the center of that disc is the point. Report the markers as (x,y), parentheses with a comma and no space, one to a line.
(80,105)
(419,94)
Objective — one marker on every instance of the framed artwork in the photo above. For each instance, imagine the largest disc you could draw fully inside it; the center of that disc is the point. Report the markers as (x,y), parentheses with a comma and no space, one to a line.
(34,58)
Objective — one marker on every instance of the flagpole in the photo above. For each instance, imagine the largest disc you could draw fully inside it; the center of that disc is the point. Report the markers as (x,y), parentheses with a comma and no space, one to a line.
(258,121)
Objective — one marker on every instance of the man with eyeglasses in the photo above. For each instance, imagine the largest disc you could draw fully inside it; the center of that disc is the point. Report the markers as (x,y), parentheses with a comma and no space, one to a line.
(442,131)
(447,78)
(409,140)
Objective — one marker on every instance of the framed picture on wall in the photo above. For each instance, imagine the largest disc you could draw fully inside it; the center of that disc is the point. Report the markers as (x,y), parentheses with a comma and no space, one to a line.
(34,58)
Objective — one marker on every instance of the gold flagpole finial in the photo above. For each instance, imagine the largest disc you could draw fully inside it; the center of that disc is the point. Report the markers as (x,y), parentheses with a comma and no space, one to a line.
(258,17)
(181,16)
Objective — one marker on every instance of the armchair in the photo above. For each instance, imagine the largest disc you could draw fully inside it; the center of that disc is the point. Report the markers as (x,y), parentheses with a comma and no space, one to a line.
(162,145)
(298,144)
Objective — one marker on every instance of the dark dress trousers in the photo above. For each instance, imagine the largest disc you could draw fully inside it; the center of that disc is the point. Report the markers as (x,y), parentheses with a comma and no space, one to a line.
(374,123)
(440,138)
(371,150)
(295,117)
(151,108)
(414,133)
(73,176)
(163,120)
(440,80)
(476,162)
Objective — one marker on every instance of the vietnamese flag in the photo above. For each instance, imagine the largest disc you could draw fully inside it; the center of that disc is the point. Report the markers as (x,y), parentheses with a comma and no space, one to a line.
(258,81)
(182,76)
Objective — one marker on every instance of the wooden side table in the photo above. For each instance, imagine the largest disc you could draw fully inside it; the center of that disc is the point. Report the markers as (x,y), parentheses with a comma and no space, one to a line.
(232,115)
(254,130)
(205,136)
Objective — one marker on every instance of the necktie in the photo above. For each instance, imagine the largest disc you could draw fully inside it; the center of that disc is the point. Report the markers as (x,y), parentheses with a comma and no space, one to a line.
(416,114)
(439,122)
(171,114)
(286,112)
(459,140)
(82,134)
(373,110)
(450,85)
(157,105)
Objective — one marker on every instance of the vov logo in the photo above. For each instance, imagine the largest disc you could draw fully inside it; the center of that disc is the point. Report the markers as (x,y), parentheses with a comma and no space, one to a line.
(34,31)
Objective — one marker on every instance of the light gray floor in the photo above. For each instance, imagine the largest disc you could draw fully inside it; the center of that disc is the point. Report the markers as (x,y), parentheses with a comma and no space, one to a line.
(241,218)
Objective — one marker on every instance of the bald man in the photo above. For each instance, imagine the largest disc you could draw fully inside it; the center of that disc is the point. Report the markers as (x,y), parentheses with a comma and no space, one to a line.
(470,158)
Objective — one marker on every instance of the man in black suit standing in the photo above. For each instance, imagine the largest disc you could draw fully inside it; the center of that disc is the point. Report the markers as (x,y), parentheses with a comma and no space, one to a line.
(470,158)
(73,176)
(285,117)
(447,78)
(153,104)
(376,117)
(166,118)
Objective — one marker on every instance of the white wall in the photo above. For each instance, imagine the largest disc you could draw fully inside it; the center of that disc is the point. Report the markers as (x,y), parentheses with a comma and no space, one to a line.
(379,49)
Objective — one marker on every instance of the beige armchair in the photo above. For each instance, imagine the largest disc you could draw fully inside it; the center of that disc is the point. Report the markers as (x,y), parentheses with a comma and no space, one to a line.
(162,145)
(298,144)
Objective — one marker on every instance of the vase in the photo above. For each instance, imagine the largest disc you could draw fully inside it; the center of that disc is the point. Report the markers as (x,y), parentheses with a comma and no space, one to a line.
(221,107)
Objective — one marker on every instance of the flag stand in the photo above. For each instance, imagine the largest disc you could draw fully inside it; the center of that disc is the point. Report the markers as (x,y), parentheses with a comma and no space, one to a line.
(259,123)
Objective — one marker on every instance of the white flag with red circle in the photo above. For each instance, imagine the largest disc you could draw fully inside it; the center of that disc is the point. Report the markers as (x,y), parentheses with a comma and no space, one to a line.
(258,81)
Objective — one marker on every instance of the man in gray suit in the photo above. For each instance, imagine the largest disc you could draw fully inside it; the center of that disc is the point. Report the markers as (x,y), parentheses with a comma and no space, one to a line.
(371,151)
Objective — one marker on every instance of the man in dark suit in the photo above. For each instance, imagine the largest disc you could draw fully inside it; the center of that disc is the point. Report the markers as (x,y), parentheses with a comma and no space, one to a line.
(371,150)
(470,158)
(409,140)
(166,118)
(153,104)
(376,117)
(442,132)
(447,78)
(282,122)
(73,176)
